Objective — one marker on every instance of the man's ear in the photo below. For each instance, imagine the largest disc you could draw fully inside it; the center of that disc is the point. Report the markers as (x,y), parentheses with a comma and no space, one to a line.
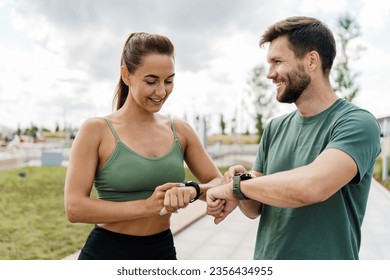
(125,75)
(313,60)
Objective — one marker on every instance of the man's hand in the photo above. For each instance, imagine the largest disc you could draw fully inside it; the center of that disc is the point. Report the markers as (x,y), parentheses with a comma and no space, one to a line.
(220,202)
(233,170)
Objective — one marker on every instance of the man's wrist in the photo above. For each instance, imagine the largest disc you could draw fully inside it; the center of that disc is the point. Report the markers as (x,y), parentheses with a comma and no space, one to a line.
(237,193)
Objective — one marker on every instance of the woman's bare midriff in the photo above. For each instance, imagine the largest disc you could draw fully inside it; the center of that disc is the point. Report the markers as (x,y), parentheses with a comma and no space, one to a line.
(140,227)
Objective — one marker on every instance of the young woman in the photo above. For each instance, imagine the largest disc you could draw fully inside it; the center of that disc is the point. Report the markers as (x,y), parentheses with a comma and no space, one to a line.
(135,159)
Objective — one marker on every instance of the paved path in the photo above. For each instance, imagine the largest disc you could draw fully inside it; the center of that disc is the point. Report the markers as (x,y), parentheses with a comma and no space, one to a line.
(376,225)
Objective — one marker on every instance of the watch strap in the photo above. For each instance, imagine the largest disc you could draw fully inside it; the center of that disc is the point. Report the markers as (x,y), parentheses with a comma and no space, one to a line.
(197,188)
(237,193)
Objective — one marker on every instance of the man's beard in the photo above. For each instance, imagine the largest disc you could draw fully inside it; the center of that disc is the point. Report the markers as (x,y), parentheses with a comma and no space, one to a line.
(297,82)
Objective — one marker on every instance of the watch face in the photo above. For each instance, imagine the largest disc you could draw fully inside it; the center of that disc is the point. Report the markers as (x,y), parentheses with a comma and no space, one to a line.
(244,176)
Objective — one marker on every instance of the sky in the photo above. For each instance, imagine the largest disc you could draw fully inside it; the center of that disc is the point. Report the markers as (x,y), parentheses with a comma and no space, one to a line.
(59,60)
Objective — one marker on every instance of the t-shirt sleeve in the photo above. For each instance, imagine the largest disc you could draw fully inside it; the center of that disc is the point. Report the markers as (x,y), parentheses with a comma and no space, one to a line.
(357,133)
(258,165)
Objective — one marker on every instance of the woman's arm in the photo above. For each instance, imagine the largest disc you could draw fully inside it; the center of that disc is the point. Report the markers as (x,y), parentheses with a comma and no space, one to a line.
(197,158)
(201,166)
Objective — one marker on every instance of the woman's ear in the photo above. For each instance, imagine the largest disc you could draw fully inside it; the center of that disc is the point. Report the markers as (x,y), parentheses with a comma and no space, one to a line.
(125,75)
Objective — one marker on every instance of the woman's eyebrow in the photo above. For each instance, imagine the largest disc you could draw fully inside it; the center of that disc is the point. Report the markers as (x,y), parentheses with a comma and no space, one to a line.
(156,77)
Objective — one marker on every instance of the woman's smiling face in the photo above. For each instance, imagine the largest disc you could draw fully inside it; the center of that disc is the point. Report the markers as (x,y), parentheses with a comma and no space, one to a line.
(152,83)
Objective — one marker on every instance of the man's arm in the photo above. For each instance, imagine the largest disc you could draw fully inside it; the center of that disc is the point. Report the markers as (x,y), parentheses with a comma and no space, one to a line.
(305,185)
(251,208)
(301,186)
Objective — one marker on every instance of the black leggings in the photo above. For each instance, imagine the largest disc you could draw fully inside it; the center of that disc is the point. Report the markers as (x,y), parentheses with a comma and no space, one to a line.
(103,244)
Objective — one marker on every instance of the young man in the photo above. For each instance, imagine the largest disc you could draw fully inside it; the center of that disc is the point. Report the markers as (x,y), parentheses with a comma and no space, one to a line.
(313,169)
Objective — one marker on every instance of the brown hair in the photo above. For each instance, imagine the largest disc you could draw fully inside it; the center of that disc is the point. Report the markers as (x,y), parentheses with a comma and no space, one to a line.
(137,46)
(305,34)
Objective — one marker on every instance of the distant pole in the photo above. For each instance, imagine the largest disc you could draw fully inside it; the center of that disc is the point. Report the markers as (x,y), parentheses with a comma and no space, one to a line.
(385,148)
(203,131)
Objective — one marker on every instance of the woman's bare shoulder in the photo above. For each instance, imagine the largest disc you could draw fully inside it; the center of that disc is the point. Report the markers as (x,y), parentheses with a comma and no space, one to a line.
(182,126)
(93,127)
(94,123)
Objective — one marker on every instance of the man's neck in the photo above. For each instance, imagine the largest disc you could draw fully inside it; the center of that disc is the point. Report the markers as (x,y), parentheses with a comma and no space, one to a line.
(315,100)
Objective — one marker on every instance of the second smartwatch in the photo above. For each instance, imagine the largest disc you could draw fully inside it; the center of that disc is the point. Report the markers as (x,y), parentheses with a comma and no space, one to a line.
(236,185)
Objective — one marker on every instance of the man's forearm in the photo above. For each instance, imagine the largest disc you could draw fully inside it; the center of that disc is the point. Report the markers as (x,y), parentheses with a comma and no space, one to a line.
(250,208)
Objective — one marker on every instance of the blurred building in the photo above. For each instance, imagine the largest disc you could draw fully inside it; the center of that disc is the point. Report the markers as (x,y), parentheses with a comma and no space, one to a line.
(385,143)
(6,134)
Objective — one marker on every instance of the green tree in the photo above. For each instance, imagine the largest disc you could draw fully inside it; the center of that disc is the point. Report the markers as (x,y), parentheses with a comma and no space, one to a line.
(234,123)
(262,99)
(347,30)
(259,125)
(57,129)
(222,124)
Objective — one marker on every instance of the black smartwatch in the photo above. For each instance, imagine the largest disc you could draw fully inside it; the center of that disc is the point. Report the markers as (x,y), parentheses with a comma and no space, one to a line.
(236,185)
(197,188)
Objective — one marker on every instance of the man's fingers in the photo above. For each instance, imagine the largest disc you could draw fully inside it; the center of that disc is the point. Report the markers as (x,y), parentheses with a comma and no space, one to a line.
(227,177)
(216,208)
(217,204)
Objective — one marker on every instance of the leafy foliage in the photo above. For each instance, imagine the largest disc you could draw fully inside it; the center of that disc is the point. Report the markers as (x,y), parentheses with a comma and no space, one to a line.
(344,77)
(262,99)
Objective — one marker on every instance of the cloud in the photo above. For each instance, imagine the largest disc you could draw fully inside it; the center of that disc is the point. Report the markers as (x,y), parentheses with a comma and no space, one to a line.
(92,32)
(322,7)
(381,10)
(86,38)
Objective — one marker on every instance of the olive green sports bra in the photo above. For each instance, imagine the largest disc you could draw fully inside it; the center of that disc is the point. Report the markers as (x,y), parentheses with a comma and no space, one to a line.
(128,175)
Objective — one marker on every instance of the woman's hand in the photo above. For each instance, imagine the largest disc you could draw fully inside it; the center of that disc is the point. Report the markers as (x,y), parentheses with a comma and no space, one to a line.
(177,197)
(156,201)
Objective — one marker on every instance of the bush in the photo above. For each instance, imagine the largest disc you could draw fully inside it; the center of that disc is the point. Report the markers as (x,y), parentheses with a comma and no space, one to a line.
(378,173)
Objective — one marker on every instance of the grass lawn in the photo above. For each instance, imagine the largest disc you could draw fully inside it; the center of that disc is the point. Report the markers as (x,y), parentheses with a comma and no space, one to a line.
(34,224)
(33,221)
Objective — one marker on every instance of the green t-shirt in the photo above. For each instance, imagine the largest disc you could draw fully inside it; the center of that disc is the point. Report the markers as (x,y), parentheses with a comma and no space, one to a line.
(329,229)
